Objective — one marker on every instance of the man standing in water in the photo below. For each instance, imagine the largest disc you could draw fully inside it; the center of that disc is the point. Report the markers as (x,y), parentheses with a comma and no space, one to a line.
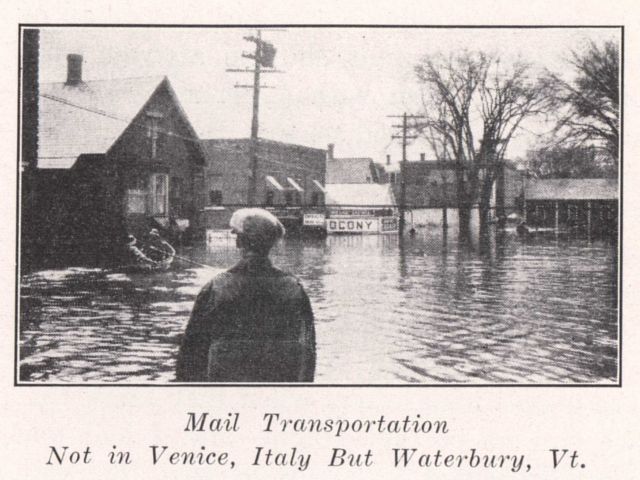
(252,323)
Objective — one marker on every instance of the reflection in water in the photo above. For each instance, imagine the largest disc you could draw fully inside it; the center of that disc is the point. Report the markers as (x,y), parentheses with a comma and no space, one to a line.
(428,308)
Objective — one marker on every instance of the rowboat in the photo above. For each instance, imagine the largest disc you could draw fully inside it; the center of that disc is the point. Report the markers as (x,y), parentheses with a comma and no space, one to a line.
(153,259)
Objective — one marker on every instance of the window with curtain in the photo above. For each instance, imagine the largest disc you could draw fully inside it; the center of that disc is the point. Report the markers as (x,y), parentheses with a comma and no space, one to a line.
(137,196)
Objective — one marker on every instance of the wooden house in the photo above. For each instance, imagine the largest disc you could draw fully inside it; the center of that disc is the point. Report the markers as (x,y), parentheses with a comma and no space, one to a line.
(114,157)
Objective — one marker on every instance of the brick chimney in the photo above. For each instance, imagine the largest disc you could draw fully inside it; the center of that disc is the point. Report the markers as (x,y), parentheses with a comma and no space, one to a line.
(74,69)
(422,157)
(388,159)
(330,148)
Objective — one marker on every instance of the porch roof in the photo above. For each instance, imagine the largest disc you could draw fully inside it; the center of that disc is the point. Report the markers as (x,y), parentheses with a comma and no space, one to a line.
(572,189)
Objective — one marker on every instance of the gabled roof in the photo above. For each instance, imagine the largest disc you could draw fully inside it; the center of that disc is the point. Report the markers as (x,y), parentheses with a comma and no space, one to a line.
(89,117)
(360,194)
(350,170)
(572,189)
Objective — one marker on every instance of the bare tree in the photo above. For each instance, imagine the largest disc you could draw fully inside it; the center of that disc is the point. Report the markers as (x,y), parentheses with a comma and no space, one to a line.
(473,107)
(589,104)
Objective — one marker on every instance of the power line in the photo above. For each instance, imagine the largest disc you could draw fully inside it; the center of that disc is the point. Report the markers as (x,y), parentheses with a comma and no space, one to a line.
(115,117)
(404,137)
(103,113)
(160,130)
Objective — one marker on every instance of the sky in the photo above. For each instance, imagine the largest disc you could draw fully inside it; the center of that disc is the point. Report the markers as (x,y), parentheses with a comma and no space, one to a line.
(339,84)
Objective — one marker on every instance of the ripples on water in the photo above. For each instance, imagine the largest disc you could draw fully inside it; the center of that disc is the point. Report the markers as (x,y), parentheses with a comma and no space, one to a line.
(540,310)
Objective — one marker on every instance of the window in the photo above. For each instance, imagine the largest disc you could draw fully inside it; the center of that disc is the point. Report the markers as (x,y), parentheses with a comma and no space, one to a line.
(215,188)
(176,195)
(137,195)
(392,177)
(153,129)
(215,197)
(315,198)
(288,198)
(159,194)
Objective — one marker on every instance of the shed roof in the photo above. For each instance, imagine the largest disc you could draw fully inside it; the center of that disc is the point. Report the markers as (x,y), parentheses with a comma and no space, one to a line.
(572,189)
(349,170)
(359,194)
(88,118)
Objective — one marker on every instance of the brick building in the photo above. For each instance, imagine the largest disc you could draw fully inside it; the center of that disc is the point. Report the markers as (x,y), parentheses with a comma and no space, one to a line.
(113,157)
(289,178)
(432,184)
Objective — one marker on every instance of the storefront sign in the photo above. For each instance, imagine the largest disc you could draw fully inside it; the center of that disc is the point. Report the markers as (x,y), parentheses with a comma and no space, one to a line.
(313,219)
(219,237)
(352,225)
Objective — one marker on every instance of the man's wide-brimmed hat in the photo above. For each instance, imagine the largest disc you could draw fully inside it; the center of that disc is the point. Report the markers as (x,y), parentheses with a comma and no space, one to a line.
(154,231)
(259,227)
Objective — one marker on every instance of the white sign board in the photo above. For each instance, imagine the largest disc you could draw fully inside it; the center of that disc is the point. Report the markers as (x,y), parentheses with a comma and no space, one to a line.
(218,237)
(388,225)
(352,225)
(313,219)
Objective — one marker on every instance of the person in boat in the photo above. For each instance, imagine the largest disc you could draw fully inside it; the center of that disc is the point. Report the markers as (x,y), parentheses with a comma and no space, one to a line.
(157,248)
(252,323)
(137,256)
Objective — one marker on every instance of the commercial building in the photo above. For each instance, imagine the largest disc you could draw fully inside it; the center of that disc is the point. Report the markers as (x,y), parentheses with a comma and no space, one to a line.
(289,179)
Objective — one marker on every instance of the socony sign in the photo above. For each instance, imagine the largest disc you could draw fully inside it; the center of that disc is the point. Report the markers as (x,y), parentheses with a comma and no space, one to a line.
(352,225)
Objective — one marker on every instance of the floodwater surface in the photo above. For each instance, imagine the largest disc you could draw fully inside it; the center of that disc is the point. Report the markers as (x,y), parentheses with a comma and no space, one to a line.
(429,309)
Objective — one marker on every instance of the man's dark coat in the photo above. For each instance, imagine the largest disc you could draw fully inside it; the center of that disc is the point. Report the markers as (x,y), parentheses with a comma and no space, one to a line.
(252,323)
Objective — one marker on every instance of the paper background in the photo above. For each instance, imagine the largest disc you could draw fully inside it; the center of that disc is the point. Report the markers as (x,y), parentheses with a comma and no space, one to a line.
(602,423)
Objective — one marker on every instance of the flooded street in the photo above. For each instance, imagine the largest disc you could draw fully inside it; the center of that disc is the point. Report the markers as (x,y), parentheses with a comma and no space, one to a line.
(535,310)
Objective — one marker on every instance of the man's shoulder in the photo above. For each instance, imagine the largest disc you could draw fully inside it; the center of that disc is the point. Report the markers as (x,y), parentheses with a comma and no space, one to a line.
(234,278)
(287,278)
(219,280)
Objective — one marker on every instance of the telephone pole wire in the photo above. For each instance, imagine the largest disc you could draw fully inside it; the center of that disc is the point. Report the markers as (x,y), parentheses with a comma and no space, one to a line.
(263,56)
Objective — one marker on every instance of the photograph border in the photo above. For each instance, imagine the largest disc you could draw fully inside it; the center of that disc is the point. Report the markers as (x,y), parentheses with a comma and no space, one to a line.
(619,252)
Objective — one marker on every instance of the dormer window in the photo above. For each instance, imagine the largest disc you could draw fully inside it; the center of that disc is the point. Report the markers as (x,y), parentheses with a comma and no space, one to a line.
(153,129)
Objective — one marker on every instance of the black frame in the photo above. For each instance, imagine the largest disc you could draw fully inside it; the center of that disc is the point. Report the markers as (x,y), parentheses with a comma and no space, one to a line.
(21,26)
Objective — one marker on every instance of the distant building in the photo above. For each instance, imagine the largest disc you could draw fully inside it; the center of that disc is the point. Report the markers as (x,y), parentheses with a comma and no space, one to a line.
(289,177)
(431,188)
(351,170)
(351,196)
(114,157)
(432,184)
(590,204)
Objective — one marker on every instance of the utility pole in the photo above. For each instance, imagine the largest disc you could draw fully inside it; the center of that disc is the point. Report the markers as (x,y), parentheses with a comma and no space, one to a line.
(403,186)
(262,57)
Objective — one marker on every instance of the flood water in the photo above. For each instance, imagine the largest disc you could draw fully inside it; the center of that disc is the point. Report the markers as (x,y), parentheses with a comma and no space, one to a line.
(432,310)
